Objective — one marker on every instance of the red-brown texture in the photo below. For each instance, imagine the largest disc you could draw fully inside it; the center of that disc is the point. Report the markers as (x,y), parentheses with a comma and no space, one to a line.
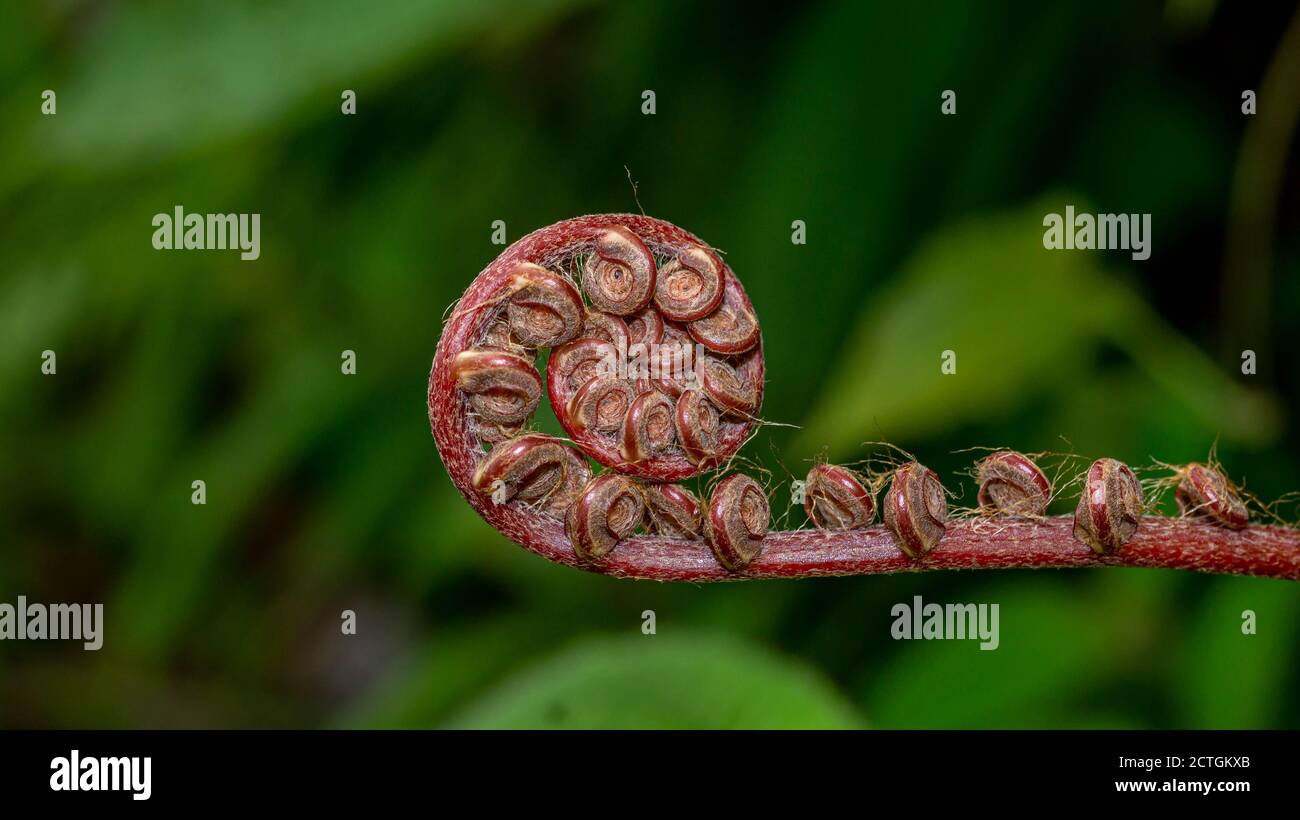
(571,366)
(726,388)
(555,248)
(1160,542)
(619,276)
(732,328)
(677,361)
(648,427)
(499,336)
(577,474)
(915,509)
(545,308)
(607,327)
(672,510)
(503,388)
(528,466)
(1012,484)
(836,499)
(1205,492)
(1110,506)
(690,286)
(645,328)
(697,423)
(736,521)
(608,509)
(600,405)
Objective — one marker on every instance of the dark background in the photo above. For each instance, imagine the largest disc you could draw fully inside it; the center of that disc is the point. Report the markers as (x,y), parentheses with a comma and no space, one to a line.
(325,493)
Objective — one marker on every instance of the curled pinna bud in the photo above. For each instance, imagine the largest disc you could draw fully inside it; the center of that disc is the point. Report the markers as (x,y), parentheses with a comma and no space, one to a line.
(608,510)
(606,327)
(916,509)
(601,404)
(1204,492)
(648,427)
(1110,507)
(577,473)
(490,433)
(1012,484)
(736,521)
(526,467)
(835,499)
(672,510)
(697,423)
(619,276)
(545,309)
(574,364)
(498,336)
(645,327)
(675,365)
(729,329)
(690,286)
(727,387)
(503,388)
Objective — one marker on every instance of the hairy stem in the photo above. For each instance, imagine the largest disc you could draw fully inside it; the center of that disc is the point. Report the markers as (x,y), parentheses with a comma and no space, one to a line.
(978,543)
(1168,543)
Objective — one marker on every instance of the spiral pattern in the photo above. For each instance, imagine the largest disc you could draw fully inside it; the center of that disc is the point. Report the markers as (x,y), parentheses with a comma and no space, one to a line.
(916,509)
(544,308)
(1110,506)
(672,511)
(1204,492)
(690,287)
(619,276)
(607,510)
(503,388)
(626,374)
(836,499)
(737,521)
(1012,484)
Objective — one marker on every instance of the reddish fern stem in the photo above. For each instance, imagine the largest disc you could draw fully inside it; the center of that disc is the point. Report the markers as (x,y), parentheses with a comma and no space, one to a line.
(1169,543)
(1272,552)
(987,543)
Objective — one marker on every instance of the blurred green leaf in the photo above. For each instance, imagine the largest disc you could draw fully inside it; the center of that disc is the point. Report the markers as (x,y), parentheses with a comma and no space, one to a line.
(1054,650)
(1019,318)
(138,90)
(180,543)
(859,224)
(1201,390)
(453,666)
(663,682)
(1231,680)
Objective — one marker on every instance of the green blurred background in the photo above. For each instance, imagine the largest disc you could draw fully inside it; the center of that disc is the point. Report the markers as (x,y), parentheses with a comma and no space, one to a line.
(325,492)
